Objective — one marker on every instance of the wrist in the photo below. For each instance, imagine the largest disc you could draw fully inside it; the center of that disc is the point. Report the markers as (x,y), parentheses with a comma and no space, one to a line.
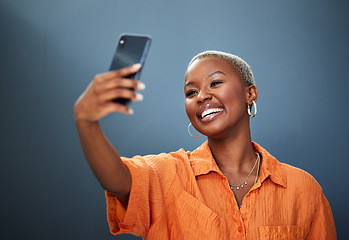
(81,121)
(79,116)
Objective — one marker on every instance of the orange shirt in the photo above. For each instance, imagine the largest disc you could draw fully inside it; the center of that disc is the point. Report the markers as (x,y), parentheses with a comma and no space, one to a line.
(184,195)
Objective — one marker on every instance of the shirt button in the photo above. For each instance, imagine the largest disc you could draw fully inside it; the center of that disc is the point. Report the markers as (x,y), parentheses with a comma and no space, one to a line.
(240,229)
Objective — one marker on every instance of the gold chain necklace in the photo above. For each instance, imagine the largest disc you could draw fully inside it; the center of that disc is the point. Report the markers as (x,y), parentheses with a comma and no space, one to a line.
(241,185)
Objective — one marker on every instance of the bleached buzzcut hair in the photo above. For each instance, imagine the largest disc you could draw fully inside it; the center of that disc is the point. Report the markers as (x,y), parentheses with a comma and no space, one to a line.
(240,65)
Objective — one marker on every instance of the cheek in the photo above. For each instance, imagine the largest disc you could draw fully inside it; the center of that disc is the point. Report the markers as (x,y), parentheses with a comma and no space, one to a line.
(230,96)
(233,97)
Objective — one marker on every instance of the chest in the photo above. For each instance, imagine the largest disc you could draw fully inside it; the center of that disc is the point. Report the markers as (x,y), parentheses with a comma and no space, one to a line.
(213,210)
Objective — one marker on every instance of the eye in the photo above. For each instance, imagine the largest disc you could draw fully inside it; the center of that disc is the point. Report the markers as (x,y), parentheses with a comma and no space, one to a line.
(190,93)
(214,83)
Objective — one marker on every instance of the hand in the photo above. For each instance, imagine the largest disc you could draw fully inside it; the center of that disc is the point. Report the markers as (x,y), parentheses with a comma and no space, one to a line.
(97,100)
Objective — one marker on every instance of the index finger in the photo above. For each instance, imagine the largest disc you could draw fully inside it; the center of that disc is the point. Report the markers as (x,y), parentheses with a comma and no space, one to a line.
(123,72)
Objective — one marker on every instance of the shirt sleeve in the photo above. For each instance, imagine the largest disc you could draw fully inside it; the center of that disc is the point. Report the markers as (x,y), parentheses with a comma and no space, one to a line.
(322,226)
(145,201)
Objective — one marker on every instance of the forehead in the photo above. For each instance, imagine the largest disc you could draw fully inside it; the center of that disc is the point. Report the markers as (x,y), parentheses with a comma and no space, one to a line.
(201,68)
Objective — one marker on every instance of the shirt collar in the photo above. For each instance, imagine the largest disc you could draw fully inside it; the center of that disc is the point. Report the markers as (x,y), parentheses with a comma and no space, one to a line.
(270,167)
(202,162)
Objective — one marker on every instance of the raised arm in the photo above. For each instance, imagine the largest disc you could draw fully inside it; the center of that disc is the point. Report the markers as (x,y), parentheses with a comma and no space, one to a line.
(95,103)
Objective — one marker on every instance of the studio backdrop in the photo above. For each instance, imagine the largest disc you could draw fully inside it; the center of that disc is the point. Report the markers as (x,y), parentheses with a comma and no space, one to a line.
(51,50)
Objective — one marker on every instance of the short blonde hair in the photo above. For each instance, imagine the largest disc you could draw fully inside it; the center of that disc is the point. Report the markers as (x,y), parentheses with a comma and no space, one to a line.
(240,65)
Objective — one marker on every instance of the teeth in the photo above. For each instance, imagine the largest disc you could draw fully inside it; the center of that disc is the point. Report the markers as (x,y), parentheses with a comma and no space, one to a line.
(210,111)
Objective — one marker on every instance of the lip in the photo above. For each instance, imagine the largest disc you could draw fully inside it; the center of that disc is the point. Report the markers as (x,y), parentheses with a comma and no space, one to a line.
(206,107)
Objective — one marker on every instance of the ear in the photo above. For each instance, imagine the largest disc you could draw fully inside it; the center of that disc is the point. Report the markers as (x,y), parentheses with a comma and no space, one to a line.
(252,94)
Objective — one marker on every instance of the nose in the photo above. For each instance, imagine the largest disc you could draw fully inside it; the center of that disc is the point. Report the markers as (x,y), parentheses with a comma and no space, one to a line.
(203,96)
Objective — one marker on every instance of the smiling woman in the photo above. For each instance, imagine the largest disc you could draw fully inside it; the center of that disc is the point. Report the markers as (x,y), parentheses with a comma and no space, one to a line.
(229,187)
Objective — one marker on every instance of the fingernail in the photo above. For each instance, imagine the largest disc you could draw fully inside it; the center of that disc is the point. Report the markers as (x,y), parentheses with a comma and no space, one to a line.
(139,97)
(140,86)
(136,66)
(130,111)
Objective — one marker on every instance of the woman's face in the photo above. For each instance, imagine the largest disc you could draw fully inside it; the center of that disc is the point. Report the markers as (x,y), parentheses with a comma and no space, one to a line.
(216,97)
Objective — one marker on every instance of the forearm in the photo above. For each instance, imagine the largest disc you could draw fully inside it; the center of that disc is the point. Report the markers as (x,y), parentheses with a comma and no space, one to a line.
(104,160)
(96,102)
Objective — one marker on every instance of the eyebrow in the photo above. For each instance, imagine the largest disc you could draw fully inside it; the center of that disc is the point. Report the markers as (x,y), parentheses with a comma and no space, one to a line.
(208,76)
(216,72)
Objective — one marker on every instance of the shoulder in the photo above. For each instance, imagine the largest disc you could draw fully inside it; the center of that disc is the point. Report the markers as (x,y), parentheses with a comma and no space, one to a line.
(296,180)
(300,179)
(159,162)
(301,188)
(293,178)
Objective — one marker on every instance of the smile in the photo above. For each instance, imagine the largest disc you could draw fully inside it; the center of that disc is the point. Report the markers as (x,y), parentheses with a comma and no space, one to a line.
(210,111)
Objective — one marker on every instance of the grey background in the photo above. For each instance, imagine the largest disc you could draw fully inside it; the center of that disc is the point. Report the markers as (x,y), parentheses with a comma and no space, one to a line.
(51,50)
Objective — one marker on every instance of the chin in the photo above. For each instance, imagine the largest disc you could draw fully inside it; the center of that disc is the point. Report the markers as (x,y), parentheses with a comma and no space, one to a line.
(215,134)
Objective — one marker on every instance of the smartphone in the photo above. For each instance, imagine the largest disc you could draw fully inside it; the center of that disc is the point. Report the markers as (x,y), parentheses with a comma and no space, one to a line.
(131,49)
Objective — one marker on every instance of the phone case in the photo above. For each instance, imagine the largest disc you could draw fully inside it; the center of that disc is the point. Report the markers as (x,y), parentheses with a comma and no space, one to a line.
(131,49)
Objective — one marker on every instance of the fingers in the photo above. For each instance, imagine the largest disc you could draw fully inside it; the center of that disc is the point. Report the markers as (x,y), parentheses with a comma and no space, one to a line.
(120,93)
(97,100)
(115,83)
(128,70)
(117,79)
(121,73)
(116,107)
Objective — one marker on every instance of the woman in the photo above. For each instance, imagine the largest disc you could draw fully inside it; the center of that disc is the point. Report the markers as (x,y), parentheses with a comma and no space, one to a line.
(228,188)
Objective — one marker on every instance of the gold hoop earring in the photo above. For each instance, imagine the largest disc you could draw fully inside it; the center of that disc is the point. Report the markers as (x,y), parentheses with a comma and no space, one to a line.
(249,110)
(190,132)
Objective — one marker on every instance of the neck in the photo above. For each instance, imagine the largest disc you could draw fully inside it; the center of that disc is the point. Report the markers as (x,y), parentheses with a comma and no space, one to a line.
(234,153)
